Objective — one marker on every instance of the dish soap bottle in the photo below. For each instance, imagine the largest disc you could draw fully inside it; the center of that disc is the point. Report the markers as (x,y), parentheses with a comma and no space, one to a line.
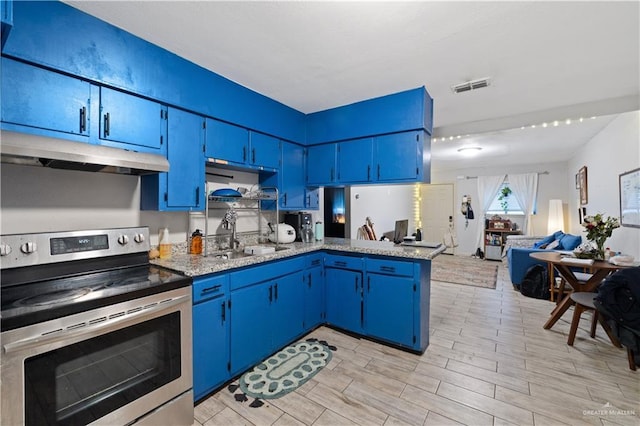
(164,244)
(196,242)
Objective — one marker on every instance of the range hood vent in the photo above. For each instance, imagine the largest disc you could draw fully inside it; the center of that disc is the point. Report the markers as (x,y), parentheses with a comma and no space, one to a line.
(471,85)
(26,149)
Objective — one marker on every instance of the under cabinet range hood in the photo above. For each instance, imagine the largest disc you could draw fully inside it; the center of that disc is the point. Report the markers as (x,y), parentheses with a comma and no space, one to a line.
(26,149)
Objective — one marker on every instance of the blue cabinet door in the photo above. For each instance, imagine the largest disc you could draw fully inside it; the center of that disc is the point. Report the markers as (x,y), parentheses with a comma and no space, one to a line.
(185,179)
(291,180)
(226,142)
(398,156)
(312,198)
(250,325)
(314,304)
(321,164)
(182,188)
(287,309)
(210,345)
(389,308)
(355,160)
(344,299)
(264,152)
(131,122)
(35,100)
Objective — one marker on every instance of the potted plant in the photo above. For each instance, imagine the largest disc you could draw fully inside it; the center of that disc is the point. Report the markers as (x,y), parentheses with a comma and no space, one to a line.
(503,198)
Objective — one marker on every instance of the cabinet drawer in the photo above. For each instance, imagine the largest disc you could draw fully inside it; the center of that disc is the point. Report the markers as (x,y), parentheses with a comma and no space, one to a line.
(313,260)
(343,262)
(390,267)
(209,287)
(256,274)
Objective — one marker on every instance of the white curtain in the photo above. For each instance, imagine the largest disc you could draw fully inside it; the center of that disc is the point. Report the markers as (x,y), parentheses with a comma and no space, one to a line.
(525,189)
(488,187)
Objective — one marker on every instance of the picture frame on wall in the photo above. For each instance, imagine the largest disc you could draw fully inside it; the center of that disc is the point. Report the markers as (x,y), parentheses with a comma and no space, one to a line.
(584,190)
(629,185)
(582,213)
(577,181)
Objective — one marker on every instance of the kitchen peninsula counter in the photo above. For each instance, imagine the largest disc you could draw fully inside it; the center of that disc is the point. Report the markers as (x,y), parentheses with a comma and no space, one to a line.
(196,265)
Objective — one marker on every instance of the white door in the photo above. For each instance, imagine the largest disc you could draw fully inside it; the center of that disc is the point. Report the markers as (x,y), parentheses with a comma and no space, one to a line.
(437,212)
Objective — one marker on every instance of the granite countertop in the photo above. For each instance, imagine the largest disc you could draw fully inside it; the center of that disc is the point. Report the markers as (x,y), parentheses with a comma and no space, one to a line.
(195,265)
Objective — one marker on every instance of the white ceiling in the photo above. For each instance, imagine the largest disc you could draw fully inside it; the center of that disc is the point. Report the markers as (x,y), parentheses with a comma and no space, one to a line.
(546,60)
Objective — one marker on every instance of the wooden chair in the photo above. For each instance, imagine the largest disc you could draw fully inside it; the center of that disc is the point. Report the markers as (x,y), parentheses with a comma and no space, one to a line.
(584,302)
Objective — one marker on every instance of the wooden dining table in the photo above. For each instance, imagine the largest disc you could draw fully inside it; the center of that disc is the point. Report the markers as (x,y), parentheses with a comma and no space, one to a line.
(597,271)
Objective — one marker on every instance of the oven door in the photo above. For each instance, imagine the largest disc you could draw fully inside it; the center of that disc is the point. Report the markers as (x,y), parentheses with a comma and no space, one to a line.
(112,365)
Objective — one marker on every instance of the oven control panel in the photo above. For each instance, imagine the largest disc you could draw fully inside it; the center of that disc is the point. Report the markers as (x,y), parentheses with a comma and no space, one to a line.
(50,247)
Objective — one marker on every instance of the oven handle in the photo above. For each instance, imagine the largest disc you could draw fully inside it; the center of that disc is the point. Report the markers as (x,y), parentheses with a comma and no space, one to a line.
(91,329)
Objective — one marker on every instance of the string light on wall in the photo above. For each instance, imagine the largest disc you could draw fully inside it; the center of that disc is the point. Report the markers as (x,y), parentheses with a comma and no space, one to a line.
(417,205)
(545,124)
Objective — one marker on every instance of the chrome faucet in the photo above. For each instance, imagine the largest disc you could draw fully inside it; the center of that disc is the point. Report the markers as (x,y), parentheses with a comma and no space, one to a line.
(229,221)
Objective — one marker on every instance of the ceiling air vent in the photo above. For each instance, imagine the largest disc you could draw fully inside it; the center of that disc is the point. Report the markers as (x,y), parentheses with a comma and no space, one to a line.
(470,85)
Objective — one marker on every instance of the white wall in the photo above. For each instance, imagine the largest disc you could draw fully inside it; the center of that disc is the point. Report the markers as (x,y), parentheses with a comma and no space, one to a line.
(616,149)
(384,204)
(38,199)
(548,188)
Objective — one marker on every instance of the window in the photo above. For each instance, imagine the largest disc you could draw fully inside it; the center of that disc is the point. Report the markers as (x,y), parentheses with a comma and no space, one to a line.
(512,205)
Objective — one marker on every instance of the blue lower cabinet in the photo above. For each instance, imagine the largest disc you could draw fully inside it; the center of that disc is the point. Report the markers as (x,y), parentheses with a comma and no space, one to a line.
(210,335)
(250,325)
(389,308)
(287,309)
(344,299)
(314,295)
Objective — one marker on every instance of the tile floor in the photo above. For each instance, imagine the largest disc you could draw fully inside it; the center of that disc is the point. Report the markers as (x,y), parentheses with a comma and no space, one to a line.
(489,362)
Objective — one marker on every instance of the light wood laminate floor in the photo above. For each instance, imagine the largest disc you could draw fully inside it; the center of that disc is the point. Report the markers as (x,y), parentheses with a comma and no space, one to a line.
(489,362)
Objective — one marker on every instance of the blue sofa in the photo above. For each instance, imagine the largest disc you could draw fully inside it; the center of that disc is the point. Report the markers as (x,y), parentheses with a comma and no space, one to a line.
(519,260)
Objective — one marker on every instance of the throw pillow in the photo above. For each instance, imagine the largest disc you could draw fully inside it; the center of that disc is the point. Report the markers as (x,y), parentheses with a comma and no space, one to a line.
(569,242)
(553,245)
(544,241)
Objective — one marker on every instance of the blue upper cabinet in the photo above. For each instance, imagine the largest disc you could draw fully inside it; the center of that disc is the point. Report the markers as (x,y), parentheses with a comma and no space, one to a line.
(398,112)
(264,151)
(130,122)
(6,18)
(355,161)
(400,157)
(182,188)
(56,35)
(381,140)
(226,142)
(229,145)
(321,164)
(35,100)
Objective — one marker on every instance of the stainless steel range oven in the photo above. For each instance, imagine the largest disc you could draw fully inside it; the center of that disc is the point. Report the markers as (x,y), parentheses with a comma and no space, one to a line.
(91,332)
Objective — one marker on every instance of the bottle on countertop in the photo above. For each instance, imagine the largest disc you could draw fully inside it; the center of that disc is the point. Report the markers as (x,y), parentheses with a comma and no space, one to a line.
(164,243)
(195,247)
(319,231)
(607,253)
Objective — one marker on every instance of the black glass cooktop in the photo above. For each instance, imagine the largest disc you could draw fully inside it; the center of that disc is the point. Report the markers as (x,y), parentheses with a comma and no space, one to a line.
(35,302)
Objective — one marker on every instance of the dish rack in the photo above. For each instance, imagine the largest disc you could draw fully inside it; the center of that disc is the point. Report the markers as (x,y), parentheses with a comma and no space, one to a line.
(253,200)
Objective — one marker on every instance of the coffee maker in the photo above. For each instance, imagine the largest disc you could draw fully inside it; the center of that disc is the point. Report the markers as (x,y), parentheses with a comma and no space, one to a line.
(297,220)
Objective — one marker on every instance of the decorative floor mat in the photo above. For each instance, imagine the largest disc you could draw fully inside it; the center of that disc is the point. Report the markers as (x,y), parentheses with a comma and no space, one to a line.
(283,372)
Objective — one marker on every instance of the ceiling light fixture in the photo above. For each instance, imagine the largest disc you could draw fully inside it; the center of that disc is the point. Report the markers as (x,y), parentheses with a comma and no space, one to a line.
(469,150)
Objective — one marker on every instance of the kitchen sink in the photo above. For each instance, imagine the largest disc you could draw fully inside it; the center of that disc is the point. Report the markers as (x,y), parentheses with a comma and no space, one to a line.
(229,255)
